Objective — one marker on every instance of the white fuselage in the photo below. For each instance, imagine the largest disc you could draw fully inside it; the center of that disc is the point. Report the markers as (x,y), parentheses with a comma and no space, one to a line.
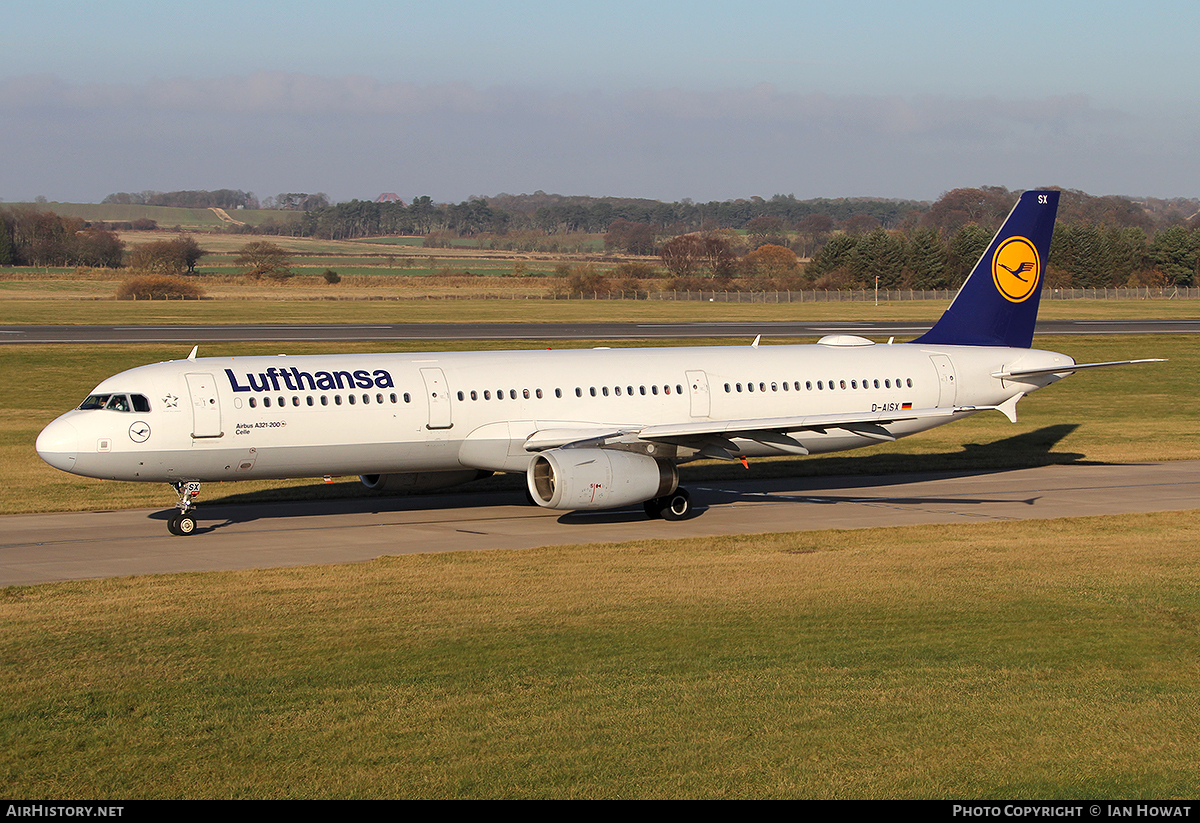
(273,417)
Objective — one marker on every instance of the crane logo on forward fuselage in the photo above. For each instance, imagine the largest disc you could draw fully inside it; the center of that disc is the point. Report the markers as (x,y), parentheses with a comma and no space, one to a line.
(1016,269)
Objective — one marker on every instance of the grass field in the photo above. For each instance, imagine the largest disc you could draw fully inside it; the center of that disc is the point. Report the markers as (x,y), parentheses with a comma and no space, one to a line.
(1040,659)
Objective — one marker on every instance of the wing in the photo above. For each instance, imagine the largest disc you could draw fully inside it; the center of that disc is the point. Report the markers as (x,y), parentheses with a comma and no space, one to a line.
(714,438)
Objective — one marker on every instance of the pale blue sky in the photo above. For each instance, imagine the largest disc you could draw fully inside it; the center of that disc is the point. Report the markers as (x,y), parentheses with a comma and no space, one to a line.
(708,100)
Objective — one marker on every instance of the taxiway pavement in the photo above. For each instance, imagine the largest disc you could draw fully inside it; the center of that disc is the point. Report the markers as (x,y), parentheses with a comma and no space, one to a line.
(49,547)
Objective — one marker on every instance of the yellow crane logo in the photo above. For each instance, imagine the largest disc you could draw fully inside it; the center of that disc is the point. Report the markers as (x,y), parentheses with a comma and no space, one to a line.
(1016,269)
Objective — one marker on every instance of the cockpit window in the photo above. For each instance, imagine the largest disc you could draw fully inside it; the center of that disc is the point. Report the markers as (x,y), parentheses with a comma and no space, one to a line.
(116,402)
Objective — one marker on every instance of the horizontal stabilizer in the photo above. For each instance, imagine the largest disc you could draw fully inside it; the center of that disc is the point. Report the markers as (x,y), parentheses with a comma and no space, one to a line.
(1013,373)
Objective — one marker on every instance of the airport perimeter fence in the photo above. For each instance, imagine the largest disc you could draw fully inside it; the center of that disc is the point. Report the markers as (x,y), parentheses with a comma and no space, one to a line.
(810,296)
(870,296)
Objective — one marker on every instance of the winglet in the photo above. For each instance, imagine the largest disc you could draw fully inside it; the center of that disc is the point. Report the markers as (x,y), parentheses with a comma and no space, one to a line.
(192,354)
(998,304)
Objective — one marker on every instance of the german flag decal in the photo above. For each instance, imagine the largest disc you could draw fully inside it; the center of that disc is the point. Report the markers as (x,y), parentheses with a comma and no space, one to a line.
(1016,269)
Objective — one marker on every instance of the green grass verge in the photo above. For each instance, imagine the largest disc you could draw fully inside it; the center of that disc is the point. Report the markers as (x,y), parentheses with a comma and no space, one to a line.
(1139,413)
(1042,659)
(270,304)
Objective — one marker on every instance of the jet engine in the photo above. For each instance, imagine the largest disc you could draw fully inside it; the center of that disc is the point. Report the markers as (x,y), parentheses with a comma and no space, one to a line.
(419,481)
(598,478)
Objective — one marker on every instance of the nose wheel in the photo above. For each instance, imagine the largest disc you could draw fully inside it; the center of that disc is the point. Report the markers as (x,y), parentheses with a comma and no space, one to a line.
(183,521)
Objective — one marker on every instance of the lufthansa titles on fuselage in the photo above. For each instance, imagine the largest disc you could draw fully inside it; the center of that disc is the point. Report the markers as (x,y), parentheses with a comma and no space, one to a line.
(293,379)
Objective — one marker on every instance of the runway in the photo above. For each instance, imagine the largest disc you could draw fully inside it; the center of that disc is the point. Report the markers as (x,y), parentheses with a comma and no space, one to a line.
(49,547)
(189,335)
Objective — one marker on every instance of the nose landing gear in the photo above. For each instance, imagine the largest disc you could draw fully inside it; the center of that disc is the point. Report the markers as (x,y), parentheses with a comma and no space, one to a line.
(183,521)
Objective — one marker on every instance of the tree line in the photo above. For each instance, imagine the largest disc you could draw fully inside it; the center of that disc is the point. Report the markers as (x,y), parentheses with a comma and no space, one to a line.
(1099,241)
(35,238)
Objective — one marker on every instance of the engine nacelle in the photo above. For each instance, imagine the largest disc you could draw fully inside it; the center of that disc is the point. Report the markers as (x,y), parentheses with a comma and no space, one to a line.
(598,478)
(419,481)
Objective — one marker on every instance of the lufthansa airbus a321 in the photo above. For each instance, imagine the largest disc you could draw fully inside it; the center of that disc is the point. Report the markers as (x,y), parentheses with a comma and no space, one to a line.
(590,429)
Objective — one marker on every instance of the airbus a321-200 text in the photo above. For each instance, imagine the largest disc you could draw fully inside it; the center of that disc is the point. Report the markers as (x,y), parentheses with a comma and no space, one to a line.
(590,429)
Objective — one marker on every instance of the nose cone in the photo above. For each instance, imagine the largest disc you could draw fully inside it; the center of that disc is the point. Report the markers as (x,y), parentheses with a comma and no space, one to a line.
(58,445)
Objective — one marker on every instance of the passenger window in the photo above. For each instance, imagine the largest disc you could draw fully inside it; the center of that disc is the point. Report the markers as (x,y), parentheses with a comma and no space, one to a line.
(266,402)
(337,400)
(512,394)
(324,400)
(487,394)
(253,403)
(309,399)
(350,399)
(407,397)
(525,393)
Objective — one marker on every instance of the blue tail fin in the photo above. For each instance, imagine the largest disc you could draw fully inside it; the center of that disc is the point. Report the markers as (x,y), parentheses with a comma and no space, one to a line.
(998,304)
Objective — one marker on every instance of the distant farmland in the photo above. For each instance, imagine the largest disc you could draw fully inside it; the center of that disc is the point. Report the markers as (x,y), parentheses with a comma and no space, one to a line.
(167,217)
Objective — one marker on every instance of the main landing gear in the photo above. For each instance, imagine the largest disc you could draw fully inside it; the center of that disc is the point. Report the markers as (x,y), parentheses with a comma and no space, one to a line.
(675,506)
(183,521)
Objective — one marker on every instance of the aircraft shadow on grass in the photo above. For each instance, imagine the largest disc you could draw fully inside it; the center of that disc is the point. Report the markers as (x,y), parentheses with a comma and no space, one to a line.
(790,481)
(793,481)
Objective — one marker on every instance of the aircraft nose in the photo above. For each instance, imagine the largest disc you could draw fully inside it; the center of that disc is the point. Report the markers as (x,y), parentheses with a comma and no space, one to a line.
(58,445)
